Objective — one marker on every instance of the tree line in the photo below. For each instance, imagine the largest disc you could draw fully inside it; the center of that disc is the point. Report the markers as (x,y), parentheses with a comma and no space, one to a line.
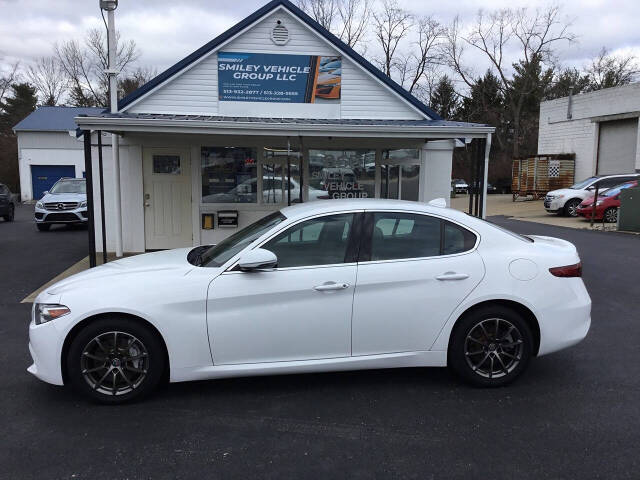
(438,63)
(434,60)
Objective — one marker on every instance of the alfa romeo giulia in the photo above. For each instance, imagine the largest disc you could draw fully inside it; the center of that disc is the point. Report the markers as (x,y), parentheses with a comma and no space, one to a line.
(320,286)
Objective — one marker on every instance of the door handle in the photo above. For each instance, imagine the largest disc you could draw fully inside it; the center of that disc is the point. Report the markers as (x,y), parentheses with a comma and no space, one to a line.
(452,276)
(328,286)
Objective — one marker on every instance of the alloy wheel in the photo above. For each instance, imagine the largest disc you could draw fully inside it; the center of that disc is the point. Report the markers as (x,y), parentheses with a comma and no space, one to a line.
(114,363)
(611,215)
(493,348)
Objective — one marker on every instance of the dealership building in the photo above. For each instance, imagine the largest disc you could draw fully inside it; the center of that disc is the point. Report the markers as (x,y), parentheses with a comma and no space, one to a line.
(601,128)
(274,111)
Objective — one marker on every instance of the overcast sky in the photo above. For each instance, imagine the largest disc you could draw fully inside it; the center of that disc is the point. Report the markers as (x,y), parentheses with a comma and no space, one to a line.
(166,31)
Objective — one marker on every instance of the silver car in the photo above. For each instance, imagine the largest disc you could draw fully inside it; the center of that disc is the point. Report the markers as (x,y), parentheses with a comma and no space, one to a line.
(65,203)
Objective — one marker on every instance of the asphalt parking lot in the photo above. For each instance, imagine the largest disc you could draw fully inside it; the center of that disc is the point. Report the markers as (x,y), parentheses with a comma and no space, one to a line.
(575,414)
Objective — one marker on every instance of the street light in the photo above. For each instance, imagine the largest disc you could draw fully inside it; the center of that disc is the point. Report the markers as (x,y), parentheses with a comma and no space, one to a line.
(108,5)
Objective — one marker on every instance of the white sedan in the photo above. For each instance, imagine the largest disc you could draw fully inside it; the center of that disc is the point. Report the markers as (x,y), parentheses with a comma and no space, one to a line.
(321,286)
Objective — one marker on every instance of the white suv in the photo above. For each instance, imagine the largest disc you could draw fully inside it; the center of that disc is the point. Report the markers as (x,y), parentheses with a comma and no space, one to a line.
(565,200)
(66,202)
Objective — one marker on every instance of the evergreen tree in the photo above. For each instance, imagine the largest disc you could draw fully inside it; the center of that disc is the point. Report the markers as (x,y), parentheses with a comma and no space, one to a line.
(444,99)
(15,107)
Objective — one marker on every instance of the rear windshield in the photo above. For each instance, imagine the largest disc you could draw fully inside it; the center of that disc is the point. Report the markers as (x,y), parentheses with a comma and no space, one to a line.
(524,238)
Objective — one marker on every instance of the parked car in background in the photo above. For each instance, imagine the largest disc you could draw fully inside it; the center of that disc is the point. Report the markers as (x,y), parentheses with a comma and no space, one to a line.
(65,203)
(491,188)
(565,201)
(607,205)
(460,185)
(316,287)
(7,203)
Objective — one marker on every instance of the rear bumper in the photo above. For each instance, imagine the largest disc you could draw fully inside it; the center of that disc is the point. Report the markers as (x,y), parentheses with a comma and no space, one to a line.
(569,322)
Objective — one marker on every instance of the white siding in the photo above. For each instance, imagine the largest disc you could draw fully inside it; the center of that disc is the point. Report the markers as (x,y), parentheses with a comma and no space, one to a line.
(195,91)
(579,135)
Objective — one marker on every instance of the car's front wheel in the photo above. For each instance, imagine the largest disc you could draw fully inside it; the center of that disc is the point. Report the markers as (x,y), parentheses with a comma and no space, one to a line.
(491,346)
(571,207)
(115,360)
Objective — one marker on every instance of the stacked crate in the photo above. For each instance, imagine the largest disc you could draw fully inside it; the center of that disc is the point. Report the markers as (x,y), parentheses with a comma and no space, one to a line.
(535,176)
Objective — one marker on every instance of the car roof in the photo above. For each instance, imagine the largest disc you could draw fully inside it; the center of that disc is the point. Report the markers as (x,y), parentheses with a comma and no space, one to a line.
(307,209)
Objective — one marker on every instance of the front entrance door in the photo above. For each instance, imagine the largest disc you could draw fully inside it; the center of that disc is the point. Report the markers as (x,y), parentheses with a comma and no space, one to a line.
(399,176)
(167,199)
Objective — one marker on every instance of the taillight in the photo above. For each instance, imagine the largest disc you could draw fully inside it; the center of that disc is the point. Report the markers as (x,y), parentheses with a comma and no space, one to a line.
(567,271)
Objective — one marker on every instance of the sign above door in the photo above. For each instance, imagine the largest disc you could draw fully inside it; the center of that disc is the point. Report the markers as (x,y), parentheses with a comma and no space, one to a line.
(264,77)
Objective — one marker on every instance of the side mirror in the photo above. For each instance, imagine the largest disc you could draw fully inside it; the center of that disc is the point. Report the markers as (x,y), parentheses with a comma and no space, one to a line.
(46,192)
(257,259)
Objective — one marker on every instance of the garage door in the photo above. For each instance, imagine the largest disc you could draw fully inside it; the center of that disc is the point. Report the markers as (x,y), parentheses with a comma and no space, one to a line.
(617,146)
(44,176)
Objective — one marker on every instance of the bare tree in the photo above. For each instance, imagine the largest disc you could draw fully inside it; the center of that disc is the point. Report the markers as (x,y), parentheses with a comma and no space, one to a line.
(425,53)
(533,34)
(49,78)
(391,24)
(354,18)
(7,79)
(135,80)
(322,11)
(607,70)
(84,65)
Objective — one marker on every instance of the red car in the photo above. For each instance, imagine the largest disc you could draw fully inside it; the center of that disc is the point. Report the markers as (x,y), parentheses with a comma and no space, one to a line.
(607,204)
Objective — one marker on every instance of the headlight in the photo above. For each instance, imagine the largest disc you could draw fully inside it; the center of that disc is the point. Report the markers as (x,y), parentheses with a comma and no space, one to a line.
(39,205)
(82,204)
(45,312)
(558,196)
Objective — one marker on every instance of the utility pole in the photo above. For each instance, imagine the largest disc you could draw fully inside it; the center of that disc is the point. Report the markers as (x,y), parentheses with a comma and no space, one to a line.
(110,6)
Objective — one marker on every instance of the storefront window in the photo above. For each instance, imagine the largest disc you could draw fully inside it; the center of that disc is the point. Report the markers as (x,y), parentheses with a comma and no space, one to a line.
(275,176)
(400,174)
(229,175)
(341,174)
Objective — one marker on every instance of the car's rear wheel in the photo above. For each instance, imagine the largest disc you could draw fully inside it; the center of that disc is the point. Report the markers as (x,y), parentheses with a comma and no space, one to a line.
(11,215)
(43,227)
(491,346)
(611,215)
(115,360)
(570,208)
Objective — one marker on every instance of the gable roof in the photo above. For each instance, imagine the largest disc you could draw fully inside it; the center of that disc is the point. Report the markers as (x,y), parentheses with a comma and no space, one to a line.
(54,119)
(331,38)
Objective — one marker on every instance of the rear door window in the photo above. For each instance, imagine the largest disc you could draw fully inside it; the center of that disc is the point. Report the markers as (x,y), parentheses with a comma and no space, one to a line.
(397,235)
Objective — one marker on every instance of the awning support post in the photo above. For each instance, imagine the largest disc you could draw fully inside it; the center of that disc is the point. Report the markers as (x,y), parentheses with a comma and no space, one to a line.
(102,219)
(88,168)
(115,152)
(487,150)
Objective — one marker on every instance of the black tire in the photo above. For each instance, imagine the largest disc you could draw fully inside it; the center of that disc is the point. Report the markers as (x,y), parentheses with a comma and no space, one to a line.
(43,227)
(465,353)
(116,369)
(610,215)
(570,207)
(11,215)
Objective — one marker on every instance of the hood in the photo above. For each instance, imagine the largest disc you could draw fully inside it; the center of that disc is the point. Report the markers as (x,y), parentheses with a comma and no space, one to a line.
(561,191)
(64,197)
(163,261)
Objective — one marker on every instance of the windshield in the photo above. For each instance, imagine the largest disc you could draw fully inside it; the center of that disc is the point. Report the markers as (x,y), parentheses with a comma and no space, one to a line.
(219,254)
(617,189)
(69,186)
(582,184)
(506,230)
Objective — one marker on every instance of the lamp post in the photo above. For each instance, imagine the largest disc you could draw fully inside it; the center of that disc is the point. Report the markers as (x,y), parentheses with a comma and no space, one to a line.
(109,6)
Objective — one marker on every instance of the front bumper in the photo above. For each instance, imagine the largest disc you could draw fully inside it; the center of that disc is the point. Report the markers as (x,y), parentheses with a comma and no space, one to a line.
(586,212)
(78,215)
(44,347)
(553,205)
